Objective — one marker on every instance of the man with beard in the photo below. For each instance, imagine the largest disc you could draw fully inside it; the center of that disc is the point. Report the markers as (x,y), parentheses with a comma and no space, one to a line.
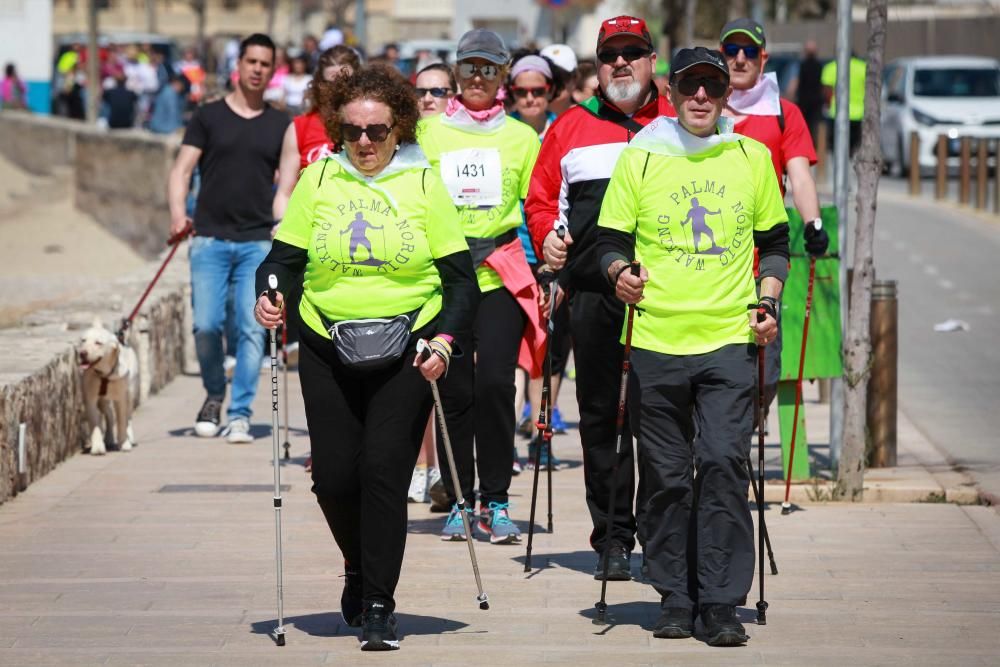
(567,186)
(236,144)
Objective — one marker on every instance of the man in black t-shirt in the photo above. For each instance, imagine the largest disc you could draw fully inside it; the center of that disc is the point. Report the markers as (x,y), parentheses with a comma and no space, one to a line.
(809,93)
(236,143)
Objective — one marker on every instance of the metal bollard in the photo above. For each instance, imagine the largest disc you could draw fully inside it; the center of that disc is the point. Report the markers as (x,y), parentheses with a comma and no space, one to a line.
(914,163)
(965,171)
(882,384)
(941,184)
(981,181)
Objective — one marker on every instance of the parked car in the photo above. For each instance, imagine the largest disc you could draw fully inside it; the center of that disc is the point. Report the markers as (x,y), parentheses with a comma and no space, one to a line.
(955,96)
(410,52)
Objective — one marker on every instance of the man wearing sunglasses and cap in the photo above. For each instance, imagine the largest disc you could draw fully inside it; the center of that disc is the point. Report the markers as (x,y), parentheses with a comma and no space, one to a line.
(690,200)
(567,187)
(760,113)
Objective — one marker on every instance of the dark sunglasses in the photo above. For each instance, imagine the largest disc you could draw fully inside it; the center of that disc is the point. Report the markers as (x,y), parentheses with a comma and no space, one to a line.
(733,50)
(435,92)
(519,91)
(469,70)
(629,53)
(376,133)
(713,87)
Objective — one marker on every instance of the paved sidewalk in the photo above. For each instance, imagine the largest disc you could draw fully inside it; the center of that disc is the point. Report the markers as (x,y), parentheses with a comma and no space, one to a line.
(99,565)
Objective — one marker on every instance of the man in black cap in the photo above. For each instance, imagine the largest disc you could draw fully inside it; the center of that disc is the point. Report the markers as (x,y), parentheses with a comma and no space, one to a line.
(690,199)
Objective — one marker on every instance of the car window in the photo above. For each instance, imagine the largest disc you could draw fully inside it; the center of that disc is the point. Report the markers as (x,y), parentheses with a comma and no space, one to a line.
(957,82)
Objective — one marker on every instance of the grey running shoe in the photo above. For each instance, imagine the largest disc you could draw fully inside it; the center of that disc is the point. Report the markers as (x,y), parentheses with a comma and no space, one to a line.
(495,521)
(454,529)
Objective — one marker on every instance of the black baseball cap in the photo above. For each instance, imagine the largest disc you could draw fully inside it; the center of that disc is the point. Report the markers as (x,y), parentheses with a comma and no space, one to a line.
(748,27)
(685,59)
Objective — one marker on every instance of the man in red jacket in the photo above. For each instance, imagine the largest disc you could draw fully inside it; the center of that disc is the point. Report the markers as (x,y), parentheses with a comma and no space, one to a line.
(567,186)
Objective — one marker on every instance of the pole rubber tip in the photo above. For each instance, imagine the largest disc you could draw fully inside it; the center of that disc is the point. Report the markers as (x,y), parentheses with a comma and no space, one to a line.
(602,610)
(279,637)
(786,508)
(484,601)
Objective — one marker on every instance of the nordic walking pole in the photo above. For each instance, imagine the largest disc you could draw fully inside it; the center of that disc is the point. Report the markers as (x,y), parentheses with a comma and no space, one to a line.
(279,631)
(786,507)
(544,424)
(761,351)
(284,387)
(424,352)
(547,381)
(757,499)
(602,605)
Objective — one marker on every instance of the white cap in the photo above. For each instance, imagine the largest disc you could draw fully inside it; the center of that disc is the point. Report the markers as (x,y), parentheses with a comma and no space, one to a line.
(561,55)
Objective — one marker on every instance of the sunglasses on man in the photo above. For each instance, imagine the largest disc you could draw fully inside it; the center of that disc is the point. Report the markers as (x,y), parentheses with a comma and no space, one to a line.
(435,91)
(733,50)
(521,91)
(629,53)
(688,86)
(469,70)
(376,133)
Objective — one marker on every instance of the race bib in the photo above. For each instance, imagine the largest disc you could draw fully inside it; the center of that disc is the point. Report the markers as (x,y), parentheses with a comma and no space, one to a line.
(473,177)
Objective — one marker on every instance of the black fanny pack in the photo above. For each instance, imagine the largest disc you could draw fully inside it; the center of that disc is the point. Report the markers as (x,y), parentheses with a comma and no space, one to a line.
(480,249)
(371,344)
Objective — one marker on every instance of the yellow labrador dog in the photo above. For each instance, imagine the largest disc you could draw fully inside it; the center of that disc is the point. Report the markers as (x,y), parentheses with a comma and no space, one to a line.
(110,385)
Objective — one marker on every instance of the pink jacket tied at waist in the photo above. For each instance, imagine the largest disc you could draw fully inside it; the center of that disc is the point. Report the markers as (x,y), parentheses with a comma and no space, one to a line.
(510,262)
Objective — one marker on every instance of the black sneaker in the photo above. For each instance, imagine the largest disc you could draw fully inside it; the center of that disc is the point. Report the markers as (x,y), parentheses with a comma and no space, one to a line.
(378,632)
(206,424)
(722,628)
(674,623)
(619,566)
(351,604)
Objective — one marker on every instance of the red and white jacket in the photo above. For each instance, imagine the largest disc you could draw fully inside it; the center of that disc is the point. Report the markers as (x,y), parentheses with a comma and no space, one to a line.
(578,154)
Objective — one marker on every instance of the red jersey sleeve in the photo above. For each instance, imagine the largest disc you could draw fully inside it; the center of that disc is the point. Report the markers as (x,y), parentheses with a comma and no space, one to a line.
(542,208)
(796,140)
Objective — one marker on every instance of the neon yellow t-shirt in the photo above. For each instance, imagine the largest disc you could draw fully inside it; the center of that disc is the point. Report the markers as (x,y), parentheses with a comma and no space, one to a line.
(487,174)
(371,242)
(693,218)
(828,77)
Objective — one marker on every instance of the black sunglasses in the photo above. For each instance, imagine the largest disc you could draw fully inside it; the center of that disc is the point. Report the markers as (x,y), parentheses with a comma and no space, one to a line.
(733,50)
(435,92)
(629,53)
(519,91)
(689,86)
(468,70)
(376,133)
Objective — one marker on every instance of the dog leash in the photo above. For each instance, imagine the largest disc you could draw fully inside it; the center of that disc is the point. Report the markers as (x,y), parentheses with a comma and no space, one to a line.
(174,242)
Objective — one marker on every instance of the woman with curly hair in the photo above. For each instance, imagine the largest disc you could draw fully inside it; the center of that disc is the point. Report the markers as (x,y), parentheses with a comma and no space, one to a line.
(385,264)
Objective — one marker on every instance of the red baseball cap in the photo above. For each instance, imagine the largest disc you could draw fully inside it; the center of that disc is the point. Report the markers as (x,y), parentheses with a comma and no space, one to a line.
(623,25)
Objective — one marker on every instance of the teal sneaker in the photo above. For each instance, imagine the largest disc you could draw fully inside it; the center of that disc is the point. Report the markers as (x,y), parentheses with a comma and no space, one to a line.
(557,463)
(495,522)
(454,529)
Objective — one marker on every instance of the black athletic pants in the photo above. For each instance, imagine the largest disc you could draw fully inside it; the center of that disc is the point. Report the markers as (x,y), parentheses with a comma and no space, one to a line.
(693,415)
(596,322)
(365,430)
(478,397)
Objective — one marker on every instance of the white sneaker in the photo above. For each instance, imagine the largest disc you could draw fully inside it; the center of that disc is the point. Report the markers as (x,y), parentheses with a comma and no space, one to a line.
(238,432)
(418,486)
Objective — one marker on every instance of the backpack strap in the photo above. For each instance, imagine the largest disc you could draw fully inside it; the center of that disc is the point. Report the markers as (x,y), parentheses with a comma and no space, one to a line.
(608,113)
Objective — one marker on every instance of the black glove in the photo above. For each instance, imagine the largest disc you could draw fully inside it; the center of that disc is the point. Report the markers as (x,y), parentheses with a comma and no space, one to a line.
(817,240)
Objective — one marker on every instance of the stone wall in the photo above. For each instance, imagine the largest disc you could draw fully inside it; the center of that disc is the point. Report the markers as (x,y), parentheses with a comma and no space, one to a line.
(120,177)
(40,381)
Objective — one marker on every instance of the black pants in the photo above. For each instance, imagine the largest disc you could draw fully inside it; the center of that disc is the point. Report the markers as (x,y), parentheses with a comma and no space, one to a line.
(478,397)
(596,322)
(365,430)
(694,416)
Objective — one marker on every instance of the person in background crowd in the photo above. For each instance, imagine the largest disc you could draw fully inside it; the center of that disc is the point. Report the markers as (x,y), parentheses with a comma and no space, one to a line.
(759,112)
(333,36)
(532,85)
(694,349)
(120,104)
(435,85)
(809,89)
(168,107)
(275,93)
(311,50)
(295,86)
(390,53)
(365,422)
(586,81)
(13,92)
(190,67)
(564,60)
(485,160)
(236,142)
(856,95)
(567,187)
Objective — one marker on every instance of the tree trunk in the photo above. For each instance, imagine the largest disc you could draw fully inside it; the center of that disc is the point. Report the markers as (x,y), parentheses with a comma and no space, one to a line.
(857,348)
(93,63)
(272,11)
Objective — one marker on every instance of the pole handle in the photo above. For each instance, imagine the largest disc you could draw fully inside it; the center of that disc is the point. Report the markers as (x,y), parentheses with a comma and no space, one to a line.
(181,235)
(272,289)
(634,267)
(561,231)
